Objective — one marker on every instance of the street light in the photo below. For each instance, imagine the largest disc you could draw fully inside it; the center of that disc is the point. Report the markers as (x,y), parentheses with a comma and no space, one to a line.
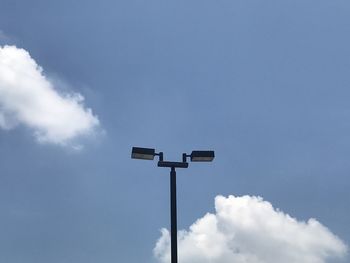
(195,156)
(142,153)
(202,156)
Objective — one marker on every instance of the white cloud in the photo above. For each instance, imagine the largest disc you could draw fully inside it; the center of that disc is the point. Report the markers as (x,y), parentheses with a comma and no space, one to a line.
(28,98)
(249,230)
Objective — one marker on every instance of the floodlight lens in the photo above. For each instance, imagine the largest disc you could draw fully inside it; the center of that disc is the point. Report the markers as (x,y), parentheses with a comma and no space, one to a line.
(202,156)
(142,153)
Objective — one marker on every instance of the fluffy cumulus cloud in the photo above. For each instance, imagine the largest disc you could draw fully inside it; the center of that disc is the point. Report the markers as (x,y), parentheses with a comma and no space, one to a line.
(28,98)
(249,230)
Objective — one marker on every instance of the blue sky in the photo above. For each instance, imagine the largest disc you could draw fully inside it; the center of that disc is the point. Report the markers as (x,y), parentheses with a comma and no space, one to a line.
(263,83)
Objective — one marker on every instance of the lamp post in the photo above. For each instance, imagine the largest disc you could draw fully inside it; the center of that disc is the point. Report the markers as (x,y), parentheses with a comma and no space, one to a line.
(195,156)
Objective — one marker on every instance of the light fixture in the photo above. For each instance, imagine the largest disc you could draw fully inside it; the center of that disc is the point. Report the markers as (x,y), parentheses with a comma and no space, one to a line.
(196,156)
(142,153)
(202,156)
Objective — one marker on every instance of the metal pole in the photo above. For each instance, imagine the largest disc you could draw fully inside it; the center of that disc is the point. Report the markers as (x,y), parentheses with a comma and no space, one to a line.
(173,215)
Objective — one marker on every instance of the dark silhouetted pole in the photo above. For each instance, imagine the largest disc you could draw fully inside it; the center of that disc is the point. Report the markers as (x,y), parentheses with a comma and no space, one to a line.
(173,215)
(196,156)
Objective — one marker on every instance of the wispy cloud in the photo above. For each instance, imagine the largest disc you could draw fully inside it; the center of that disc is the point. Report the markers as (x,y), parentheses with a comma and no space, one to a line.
(249,230)
(2,35)
(5,38)
(28,98)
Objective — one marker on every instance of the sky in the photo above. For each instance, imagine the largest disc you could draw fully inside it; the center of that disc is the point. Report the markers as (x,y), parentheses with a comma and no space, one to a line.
(263,83)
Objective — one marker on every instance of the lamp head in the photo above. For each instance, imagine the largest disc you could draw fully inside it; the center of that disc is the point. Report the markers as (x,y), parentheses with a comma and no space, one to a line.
(202,156)
(142,153)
